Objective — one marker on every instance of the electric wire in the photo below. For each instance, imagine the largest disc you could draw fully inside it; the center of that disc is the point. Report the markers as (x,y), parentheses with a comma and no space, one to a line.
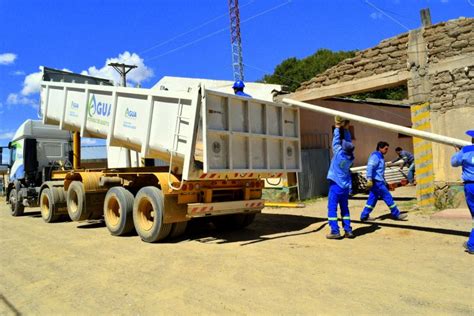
(218,31)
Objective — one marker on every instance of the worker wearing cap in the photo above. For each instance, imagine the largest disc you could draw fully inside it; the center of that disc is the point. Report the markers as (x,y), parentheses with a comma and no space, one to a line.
(408,160)
(340,181)
(376,184)
(239,89)
(465,158)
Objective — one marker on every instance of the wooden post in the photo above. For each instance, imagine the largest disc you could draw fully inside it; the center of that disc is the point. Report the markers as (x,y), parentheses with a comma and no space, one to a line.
(76,150)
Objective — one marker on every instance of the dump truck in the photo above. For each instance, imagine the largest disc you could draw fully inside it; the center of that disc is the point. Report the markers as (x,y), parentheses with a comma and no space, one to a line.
(219,146)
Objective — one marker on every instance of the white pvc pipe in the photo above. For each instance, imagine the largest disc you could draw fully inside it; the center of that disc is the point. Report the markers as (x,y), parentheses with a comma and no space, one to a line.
(384,125)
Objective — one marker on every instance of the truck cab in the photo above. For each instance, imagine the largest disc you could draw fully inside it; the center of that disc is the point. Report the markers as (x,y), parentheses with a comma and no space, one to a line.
(35,151)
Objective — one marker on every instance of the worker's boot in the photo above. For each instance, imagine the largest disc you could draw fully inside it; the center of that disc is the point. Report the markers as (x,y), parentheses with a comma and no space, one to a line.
(469,251)
(349,235)
(401,217)
(367,219)
(334,236)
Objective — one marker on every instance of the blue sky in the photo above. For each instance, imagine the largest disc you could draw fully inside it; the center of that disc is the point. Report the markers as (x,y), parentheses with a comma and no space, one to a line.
(184,38)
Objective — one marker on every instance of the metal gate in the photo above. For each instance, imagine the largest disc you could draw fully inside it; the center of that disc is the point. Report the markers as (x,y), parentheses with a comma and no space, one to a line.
(315,160)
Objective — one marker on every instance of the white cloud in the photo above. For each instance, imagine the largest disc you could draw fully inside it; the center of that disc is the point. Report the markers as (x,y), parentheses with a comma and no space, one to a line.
(6,134)
(17,73)
(7,58)
(376,15)
(32,83)
(135,76)
(16,99)
(88,141)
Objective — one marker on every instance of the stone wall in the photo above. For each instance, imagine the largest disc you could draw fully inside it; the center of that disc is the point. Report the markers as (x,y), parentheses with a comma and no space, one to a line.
(389,55)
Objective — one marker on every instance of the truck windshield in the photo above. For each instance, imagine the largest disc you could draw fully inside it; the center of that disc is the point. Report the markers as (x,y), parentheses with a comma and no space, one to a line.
(12,155)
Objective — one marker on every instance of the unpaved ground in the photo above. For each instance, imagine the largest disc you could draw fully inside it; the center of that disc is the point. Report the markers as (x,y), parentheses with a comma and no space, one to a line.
(281,264)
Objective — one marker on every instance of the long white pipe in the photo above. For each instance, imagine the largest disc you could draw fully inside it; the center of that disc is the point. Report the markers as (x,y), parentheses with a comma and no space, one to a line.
(381,124)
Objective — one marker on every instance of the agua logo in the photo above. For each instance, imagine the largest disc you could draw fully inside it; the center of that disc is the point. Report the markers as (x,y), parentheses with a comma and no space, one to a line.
(98,108)
(130,114)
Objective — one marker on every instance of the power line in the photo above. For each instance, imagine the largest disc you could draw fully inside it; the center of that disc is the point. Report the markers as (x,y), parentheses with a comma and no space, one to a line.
(386,14)
(218,31)
(190,30)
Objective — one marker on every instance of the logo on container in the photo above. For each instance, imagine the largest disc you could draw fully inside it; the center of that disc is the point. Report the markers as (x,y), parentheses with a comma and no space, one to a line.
(98,108)
(130,114)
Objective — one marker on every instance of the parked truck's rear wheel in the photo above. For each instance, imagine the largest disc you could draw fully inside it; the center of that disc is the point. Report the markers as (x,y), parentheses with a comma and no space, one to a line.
(233,221)
(76,206)
(48,207)
(118,211)
(17,208)
(148,213)
(178,229)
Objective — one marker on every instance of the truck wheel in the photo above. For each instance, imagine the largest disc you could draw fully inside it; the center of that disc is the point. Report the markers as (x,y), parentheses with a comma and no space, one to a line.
(178,229)
(76,206)
(48,206)
(17,208)
(148,211)
(118,211)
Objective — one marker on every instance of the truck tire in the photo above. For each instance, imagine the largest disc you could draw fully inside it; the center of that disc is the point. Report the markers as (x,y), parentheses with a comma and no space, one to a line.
(118,211)
(148,213)
(178,229)
(233,221)
(17,208)
(76,206)
(49,206)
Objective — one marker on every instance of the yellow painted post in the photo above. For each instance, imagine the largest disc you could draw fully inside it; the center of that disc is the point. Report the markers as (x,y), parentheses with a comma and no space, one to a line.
(420,116)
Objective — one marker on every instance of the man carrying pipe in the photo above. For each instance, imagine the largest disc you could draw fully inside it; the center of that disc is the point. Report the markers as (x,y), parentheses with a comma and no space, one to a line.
(376,184)
(408,160)
(340,180)
(465,158)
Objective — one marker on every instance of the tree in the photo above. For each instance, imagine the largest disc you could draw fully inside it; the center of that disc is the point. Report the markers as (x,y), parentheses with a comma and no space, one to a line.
(292,71)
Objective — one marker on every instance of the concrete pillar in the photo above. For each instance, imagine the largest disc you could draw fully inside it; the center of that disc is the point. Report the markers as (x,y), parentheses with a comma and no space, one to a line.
(419,89)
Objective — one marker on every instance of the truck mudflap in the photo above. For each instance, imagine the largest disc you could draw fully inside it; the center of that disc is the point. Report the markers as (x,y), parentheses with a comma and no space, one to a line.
(221,208)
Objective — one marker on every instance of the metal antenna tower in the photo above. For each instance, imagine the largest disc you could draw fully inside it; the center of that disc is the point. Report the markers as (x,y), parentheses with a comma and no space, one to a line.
(235,41)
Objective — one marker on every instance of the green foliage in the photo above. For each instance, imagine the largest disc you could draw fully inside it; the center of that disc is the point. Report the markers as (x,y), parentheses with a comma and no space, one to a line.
(292,71)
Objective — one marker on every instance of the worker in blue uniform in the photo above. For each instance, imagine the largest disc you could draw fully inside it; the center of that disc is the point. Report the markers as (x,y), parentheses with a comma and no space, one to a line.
(239,89)
(340,181)
(408,161)
(376,184)
(465,158)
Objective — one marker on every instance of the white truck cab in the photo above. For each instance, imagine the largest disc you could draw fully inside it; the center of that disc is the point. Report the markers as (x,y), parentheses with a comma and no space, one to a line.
(35,151)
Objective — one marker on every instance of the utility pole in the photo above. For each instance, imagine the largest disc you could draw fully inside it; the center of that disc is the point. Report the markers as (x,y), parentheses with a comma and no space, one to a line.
(123,70)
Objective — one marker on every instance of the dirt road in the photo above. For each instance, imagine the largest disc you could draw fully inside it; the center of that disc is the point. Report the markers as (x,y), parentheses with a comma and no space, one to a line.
(281,264)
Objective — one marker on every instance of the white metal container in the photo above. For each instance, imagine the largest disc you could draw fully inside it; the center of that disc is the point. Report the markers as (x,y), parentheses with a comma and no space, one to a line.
(205,133)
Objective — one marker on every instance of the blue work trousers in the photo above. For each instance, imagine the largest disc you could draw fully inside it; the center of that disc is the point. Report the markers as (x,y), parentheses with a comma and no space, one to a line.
(379,191)
(411,173)
(469,192)
(338,195)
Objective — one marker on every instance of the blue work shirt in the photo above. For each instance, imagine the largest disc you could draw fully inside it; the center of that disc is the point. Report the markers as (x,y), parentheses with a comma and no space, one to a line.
(465,158)
(242,94)
(407,157)
(341,162)
(376,166)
